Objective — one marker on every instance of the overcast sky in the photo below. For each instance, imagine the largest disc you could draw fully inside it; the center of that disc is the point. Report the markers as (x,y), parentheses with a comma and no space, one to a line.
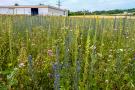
(77,5)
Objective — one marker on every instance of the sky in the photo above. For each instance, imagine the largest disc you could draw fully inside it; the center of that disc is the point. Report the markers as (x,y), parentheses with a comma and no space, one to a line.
(77,5)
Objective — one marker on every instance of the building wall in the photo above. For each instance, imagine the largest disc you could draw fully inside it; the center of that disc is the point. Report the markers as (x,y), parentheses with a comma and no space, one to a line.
(56,12)
(3,10)
(42,11)
(23,11)
(19,11)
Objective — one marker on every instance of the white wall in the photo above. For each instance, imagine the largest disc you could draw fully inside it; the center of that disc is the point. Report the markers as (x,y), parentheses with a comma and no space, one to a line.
(42,11)
(23,11)
(3,10)
(19,11)
(56,12)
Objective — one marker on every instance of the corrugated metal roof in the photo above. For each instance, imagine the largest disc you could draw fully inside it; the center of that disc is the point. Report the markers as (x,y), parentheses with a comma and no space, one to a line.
(29,6)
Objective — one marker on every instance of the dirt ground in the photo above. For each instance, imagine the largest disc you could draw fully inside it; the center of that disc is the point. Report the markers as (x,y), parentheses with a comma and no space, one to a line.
(105,16)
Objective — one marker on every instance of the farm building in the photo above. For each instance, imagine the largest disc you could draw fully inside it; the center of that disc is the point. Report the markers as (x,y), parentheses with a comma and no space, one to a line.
(32,10)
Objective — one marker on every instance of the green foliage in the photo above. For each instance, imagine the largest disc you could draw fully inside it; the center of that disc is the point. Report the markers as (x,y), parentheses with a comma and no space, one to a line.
(10,78)
(41,4)
(116,11)
(36,36)
(16,4)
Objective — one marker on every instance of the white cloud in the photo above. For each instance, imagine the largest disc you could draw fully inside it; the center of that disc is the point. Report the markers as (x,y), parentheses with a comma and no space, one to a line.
(73,0)
(76,5)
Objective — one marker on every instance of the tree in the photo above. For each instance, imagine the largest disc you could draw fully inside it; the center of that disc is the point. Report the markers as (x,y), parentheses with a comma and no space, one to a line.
(16,4)
(41,4)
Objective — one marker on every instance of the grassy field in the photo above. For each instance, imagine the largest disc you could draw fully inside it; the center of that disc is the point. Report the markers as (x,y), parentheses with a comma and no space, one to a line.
(66,53)
(105,16)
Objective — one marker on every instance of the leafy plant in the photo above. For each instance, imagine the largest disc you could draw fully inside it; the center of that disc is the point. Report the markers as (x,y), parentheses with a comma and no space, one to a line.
(10,78)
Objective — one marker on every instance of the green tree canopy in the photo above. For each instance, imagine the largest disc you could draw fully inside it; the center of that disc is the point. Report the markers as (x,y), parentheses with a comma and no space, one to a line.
(16,4)
(41,4)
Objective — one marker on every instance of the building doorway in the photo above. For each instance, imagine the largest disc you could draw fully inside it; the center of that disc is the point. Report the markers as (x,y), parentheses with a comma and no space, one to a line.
(34,11)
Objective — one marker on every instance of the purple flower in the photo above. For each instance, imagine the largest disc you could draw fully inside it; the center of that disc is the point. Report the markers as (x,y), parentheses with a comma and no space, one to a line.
(49,74)
(45,50)
(134,54)
(21,64)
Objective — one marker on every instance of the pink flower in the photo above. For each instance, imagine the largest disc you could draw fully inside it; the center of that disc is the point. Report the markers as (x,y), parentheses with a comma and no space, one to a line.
(45,50)
(92,47)
(50,51)
(49,74)
(110,56)
(21,64)
(110,49)
(54,55)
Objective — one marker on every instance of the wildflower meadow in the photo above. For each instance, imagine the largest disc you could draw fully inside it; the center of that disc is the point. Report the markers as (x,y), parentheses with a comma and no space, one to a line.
(66,53)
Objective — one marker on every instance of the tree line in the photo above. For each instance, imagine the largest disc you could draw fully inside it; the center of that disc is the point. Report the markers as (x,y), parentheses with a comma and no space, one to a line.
(116,11)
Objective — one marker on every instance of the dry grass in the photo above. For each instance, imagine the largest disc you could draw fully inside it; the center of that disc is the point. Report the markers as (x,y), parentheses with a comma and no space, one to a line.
(105,16)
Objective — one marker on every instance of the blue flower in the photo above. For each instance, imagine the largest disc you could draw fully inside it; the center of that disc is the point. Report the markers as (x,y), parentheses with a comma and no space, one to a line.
(31,68)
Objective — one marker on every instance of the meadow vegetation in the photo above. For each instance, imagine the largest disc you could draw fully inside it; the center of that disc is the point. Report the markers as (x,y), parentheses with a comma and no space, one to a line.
(66,53)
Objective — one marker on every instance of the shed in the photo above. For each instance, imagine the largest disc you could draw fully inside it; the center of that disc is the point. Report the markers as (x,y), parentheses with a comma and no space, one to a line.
(32,10)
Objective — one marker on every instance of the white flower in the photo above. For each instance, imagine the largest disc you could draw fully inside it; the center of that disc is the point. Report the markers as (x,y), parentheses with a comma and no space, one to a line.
(115,29)
(79,45)
(103,44)
(132,39)
(108,60)
(106,70)
(106,81)
(32,44)
(80,37)
(99,54)
(120,49)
